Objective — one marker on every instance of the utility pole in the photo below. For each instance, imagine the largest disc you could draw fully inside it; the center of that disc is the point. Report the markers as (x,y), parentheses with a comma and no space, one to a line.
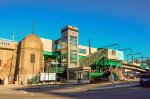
(89,46)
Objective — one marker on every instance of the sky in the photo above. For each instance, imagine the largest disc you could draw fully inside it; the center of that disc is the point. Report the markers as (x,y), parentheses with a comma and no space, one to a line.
(104,22)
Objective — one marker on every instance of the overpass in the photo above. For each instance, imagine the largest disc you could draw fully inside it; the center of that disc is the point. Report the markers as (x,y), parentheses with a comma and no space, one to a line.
(133,66)
(102,53)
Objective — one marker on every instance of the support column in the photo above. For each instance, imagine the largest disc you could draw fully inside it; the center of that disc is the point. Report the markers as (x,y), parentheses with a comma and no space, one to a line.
(120,74)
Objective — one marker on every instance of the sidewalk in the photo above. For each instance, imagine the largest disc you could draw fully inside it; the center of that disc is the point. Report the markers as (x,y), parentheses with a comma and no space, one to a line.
(89,87)
(94,86)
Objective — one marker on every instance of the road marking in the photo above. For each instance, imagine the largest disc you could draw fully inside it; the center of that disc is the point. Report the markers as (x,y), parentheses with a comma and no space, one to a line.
(25,92)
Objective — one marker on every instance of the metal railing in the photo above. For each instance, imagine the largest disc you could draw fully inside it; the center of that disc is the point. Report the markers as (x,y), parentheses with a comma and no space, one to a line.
(91,58)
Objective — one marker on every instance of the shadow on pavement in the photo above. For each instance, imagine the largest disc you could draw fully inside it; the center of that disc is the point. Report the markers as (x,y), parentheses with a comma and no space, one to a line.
(69,91)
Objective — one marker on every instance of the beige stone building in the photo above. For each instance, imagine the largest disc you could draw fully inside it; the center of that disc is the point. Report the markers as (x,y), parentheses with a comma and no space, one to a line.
(21,62)
(8,57)
(30,58)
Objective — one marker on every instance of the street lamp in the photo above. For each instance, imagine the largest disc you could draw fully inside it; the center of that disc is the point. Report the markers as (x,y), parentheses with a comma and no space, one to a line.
(133,55)
(113,45)
(129,55)
(130,51)
(127,49)
(143,58)
(139,54)
(109,46)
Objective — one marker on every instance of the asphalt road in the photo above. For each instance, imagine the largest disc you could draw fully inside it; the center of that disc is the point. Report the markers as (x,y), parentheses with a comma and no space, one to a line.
(75,93)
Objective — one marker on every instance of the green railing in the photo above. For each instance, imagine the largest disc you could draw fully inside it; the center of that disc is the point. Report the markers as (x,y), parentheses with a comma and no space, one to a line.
(59,69)
(108,62)
(91,58)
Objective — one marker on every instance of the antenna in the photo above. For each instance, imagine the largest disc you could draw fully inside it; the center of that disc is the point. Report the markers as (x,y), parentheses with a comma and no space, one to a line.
(33,25)
(13,36)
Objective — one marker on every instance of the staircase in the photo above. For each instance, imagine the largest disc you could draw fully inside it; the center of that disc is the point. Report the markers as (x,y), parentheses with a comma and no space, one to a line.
(91,58)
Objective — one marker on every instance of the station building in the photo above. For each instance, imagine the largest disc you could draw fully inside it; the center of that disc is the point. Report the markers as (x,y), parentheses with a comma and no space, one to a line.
(23,60)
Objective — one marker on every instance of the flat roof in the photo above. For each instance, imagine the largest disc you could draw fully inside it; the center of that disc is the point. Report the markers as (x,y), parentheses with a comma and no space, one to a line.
(8,40)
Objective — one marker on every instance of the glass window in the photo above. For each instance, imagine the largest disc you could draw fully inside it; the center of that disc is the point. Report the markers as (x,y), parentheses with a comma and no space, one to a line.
(73,41)
(73,56)
(82,51)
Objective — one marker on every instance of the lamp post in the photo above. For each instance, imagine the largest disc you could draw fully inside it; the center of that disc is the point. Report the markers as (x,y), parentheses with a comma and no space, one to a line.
(143,58)
(130,51)
(139,54)
(109,46)
(129,55)
(135,54)
(127,49)
(113,45)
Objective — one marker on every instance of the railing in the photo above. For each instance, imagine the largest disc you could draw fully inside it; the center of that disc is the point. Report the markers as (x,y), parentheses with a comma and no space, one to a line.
(34,80)
(59,69)
(91,58)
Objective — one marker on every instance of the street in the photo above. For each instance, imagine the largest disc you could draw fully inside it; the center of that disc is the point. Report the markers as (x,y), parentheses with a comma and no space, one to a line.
(74,92)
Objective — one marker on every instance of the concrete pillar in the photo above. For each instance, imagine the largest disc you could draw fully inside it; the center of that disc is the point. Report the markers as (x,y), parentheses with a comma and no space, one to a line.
(120,74)
(67,76)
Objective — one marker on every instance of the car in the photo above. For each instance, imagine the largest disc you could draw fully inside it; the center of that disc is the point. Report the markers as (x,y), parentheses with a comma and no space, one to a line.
(144,79)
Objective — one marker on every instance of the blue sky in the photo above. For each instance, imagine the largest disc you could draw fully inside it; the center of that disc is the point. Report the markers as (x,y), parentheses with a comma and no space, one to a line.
(104,22)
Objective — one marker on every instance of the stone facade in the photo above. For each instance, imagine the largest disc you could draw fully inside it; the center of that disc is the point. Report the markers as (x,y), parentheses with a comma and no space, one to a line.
(8,54)
(20,62)
(30,58)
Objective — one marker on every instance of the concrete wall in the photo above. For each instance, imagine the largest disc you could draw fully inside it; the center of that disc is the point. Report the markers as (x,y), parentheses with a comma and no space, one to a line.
(48,45)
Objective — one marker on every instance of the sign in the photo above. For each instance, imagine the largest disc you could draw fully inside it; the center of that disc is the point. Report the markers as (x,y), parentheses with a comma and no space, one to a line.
(120,55)
(115,54)
(47,76)
(112,54)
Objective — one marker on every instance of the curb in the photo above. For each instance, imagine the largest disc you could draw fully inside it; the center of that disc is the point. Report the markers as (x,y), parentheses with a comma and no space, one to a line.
(40,87)
(51,86)
(112,87)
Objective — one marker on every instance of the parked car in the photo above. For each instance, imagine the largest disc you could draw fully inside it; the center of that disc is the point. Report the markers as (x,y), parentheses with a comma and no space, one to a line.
(144,79)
